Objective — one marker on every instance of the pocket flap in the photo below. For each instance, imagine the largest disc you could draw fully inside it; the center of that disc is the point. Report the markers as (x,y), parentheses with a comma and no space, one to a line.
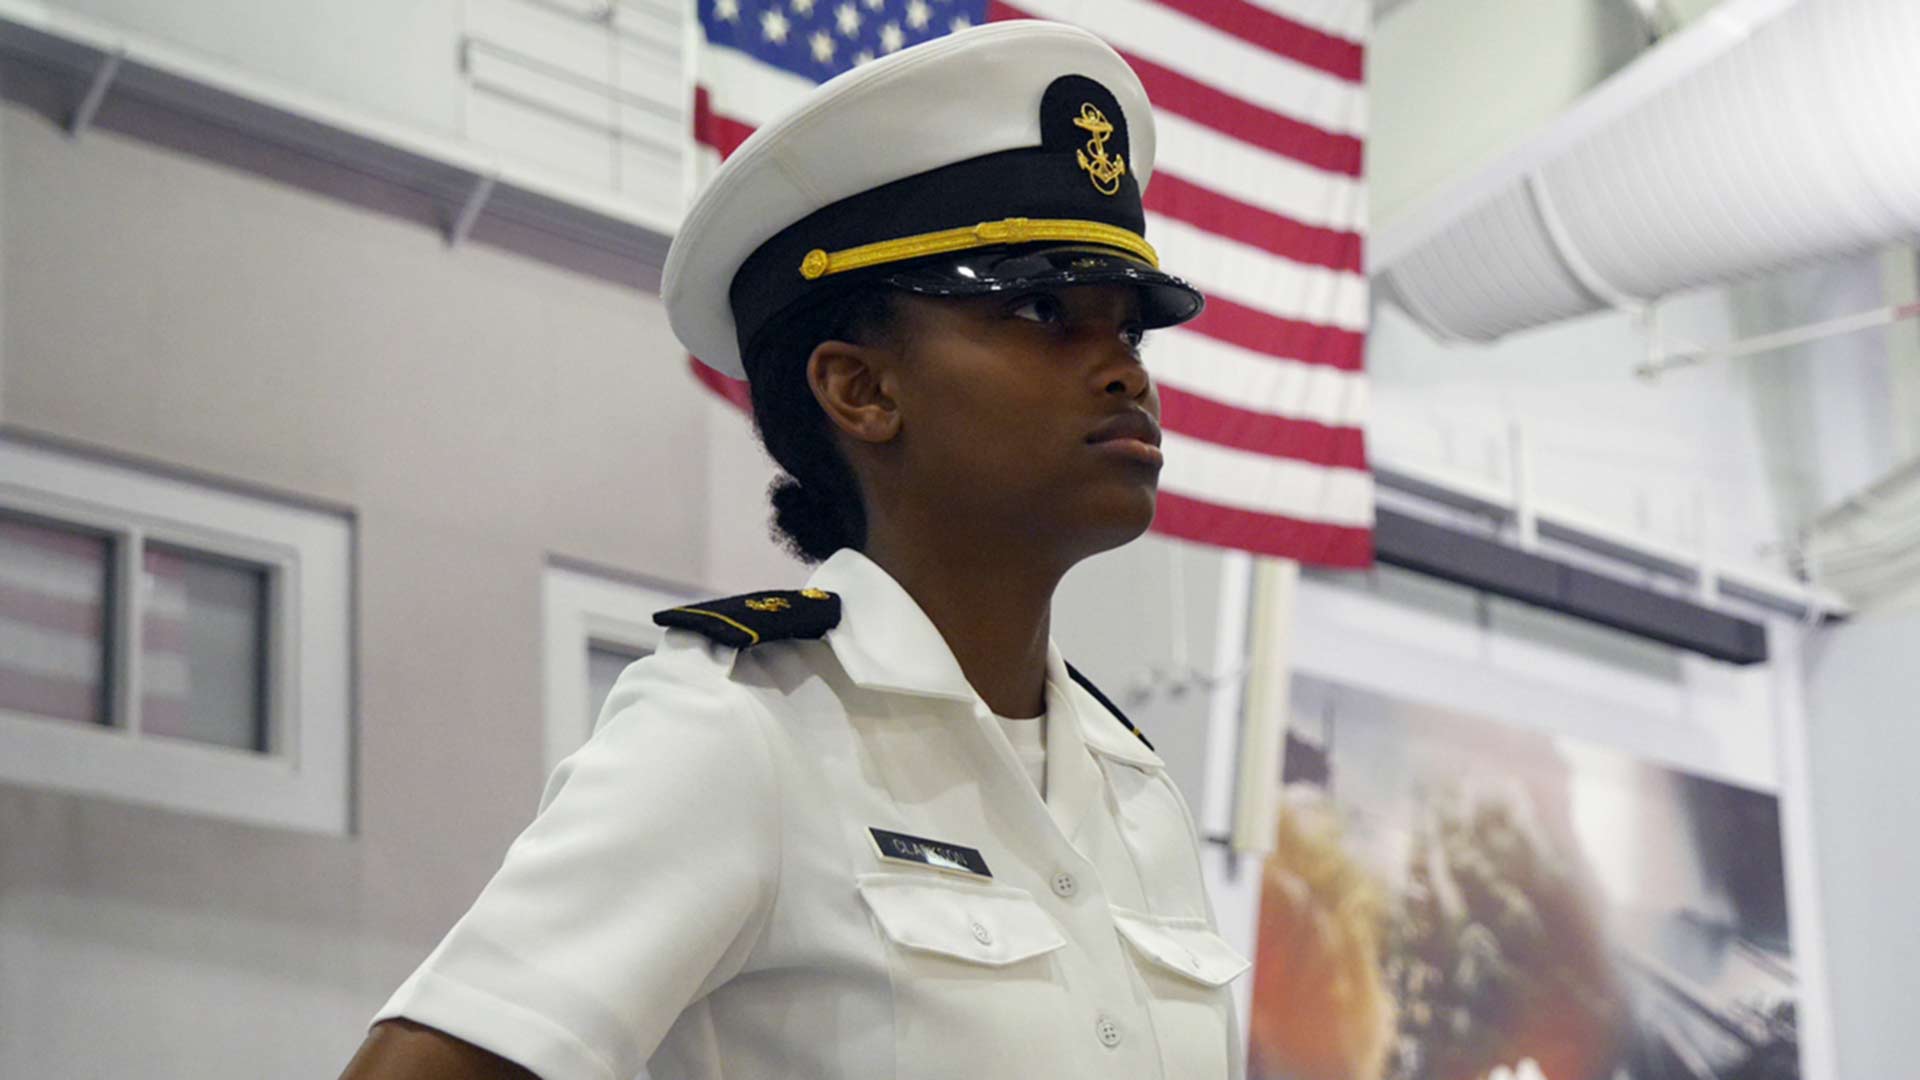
(1185,947)
(993,925)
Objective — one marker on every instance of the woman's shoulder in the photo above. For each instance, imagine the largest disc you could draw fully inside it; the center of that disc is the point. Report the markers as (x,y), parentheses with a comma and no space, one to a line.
(695,670)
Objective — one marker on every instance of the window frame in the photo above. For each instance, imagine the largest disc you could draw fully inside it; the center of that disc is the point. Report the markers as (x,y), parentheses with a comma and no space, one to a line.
(584,605)
(304,780)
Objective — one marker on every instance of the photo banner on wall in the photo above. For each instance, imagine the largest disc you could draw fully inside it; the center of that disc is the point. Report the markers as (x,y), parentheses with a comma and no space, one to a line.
(1452,898)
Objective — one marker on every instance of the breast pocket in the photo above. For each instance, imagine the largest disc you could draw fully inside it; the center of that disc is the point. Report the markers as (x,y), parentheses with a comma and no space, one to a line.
(975,986)
(1186,967)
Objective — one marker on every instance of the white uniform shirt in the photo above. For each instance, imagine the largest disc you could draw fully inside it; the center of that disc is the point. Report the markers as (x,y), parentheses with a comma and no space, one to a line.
(701,893)
(1028,738)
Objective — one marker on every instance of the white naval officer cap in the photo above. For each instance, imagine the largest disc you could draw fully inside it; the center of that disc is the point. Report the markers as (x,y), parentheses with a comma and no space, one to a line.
(1007,156)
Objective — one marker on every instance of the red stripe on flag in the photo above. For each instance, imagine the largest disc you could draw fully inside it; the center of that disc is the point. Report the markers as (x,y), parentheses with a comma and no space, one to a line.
(1279,35)
(1289,339)
(723,133)
(734,390)
(1263,534)
(1243,120)
(1226,216)
(1232,116)
(1262,433)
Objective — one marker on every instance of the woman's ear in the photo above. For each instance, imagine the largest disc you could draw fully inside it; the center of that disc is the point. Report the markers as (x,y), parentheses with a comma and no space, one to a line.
(853,384)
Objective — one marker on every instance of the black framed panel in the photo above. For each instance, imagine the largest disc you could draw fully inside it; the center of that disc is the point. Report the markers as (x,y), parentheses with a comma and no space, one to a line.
(1481,563)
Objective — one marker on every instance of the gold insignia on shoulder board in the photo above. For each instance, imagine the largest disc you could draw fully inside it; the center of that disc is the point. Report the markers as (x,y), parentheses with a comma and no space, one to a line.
(1104,170)
(815,594)
(771,603)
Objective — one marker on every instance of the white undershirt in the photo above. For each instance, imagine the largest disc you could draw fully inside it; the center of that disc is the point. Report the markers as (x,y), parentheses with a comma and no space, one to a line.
(1029,739)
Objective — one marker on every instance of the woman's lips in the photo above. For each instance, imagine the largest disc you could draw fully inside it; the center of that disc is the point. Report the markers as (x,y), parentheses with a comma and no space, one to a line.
(1133,435)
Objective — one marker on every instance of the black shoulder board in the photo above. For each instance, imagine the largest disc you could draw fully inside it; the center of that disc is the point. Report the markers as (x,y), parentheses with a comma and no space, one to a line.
(1087,685)
(754,618)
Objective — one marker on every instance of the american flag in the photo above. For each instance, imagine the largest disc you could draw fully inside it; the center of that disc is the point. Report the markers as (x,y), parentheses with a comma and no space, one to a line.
(1256,197)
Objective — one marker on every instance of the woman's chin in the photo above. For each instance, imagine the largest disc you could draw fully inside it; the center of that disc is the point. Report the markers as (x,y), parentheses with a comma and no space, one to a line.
(1120,516)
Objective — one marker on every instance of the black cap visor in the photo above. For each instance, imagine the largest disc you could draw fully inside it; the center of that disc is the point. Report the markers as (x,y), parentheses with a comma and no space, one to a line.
(1165,300)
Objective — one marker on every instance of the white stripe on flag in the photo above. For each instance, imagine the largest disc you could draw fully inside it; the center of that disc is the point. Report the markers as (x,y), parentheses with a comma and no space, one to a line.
(1349,19)
(1255,175)
(1227,373)
(1266,485)
(1259,279)
(744,89)
(1226,63)
(740,88)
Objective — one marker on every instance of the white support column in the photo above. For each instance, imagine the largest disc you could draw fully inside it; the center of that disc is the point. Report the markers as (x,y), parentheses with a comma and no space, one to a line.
(1227,704)
(1526,518)
(1900,277)
(1264,731)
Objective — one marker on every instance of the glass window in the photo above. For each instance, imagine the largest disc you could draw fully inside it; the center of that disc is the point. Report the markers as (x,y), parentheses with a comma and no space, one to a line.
(173,643)
(55,625)
(605,662)
(597,623)
(203,656)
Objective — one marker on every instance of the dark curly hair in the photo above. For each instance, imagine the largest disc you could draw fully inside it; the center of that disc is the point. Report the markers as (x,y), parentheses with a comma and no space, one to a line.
(817,508)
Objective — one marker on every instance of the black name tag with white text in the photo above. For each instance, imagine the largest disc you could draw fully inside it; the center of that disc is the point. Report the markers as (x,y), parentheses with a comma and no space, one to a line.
(937,854)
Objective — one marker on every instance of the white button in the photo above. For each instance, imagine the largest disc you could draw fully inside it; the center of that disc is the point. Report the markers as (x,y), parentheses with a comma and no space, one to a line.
(1064,885)
(1108,1031)
(981,934)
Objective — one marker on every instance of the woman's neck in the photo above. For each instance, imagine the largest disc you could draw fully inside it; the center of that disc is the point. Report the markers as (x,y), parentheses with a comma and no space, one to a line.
(993,612)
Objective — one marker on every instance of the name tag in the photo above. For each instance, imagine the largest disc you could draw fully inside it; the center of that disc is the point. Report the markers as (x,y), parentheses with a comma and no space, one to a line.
(938,854)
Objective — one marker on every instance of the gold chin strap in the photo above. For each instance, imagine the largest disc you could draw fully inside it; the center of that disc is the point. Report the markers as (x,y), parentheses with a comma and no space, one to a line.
(819,264)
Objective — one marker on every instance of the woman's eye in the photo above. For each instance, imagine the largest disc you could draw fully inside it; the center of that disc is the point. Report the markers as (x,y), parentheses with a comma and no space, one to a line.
(1134,336)
(1040,308)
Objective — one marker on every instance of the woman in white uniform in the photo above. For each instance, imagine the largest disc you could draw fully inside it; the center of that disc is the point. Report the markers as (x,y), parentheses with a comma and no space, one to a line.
(876,827)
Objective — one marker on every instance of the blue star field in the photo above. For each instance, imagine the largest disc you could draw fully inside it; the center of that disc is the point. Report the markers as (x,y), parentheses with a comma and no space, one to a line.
(818,39)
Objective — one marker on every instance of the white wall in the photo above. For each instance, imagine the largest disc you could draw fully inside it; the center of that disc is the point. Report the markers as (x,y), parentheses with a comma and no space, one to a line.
(174,298)
(1454,82)
(1863,723)
(397,61)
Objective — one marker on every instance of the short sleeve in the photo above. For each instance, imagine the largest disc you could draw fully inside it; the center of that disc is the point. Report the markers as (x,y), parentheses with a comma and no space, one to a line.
(641,885)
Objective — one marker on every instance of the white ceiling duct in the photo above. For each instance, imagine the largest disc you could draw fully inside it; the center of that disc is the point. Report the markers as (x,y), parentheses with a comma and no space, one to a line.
(1801,142)
(1868,548)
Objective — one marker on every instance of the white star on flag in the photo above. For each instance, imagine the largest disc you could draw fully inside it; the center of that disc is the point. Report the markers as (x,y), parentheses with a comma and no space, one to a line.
(727,10)
(892,37)
(773,26)
(876,5)
(918,13)
(959,23)
(848,17)
(822,43)
(803,7)
(862,57)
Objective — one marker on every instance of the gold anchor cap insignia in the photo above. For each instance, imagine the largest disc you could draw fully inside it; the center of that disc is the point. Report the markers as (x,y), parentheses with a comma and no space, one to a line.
(770,603)
(1104,170)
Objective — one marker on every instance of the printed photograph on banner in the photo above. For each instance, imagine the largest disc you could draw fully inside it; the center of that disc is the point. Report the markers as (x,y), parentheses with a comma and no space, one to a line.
(1452,898)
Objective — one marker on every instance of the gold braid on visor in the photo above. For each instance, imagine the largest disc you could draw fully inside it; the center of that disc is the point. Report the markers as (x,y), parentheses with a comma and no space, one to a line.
(819,263)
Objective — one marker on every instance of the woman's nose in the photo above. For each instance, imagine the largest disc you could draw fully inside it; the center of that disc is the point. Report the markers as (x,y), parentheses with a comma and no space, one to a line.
(1126,379)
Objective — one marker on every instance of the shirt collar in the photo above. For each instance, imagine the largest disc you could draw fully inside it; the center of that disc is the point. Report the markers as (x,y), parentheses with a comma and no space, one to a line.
(1102,731)
(885,642)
